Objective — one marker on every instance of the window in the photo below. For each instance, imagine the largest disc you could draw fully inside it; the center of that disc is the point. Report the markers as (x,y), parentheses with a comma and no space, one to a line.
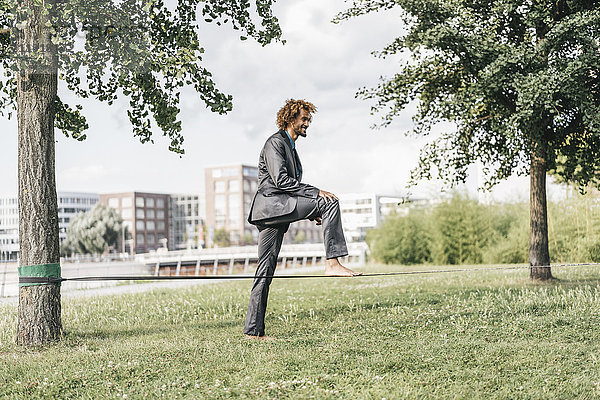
(160,225)
(150,238)
(127,225)
(139,225)
(139,213)
(160,203)
(253,186)
(160,214)
(150,225)
(126,213)
(150,214)
(219,186)
(216,173)
(139,238)
(139,202)
(150,202)
(253,172)
(234,186)
(220,204)
(234,203)
(230,171)
(113,202)
(126,202)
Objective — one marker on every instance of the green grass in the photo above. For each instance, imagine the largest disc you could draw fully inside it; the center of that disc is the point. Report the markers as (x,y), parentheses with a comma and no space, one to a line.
(459,335)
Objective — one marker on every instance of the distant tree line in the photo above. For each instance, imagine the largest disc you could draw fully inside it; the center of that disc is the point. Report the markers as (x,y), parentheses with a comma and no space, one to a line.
(463,231)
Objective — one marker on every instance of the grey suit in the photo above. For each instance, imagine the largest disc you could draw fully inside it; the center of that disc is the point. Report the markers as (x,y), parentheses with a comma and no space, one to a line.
(280,200)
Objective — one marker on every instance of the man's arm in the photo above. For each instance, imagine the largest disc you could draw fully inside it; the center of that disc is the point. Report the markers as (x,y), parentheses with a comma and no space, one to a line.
(275,161)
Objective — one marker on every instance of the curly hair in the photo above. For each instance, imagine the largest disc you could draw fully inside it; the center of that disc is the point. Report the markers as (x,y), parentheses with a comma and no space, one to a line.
(291,109)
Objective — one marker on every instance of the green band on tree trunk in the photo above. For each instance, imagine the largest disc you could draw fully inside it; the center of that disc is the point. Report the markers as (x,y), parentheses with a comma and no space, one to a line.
(43,270)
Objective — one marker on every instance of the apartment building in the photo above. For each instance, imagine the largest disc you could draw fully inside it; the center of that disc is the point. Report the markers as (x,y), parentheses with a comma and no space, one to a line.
(229,191)
(187,221)
(69,205)
(145,218)
(364,211)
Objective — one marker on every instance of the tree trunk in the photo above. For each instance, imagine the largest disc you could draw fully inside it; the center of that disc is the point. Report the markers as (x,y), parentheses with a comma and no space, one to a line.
(39,306)
(539,257)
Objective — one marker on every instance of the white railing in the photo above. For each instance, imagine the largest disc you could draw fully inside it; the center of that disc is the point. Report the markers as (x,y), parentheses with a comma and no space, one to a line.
(189,262)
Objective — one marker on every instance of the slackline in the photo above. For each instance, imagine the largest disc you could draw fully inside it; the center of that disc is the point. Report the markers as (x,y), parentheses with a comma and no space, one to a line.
(42,280)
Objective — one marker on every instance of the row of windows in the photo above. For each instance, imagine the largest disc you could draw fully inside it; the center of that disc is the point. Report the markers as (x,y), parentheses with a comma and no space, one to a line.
(223,172)
(233,186)
(140,213)
(149,225)
(9,241)
(77,200)
(9,221)
(127,202)
(70,210)
(8,202)
(9,211)
(148,238)
(357,211)
(178,199)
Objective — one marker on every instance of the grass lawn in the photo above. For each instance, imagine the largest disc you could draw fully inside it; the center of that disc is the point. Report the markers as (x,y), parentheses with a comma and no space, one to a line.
(460,335)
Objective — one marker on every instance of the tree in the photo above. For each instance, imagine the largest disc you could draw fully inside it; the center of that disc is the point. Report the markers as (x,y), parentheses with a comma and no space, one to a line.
(518,80)
(93,232)
(401,239)
(248,238)
(300,237)
(221,238)
(460,231)
(140,49)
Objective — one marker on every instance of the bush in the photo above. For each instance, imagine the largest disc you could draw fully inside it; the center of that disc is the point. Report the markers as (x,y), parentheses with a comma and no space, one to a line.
(401,239)
(460,230)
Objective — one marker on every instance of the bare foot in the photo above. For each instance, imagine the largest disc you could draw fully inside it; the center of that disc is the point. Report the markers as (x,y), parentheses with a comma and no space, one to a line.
(334,268)
(264,338)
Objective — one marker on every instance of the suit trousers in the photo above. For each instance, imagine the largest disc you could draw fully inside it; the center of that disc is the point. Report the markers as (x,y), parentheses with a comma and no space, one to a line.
(269,245)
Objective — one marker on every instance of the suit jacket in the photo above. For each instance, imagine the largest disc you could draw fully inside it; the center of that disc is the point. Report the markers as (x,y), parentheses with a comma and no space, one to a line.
(279,176)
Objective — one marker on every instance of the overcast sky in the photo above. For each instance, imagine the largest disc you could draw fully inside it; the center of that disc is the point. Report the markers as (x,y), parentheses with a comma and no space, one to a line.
(321,62)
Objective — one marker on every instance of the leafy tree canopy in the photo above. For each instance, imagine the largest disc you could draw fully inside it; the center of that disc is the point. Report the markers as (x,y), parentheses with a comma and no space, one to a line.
(516,78)
(146,50)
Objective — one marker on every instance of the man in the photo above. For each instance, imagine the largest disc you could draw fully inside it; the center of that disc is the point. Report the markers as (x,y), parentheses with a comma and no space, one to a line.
(282,199)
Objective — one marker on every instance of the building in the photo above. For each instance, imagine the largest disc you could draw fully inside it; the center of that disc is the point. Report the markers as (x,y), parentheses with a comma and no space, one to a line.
(9,228)
(229,191)
(145,219)
(69,205)
(364,211)
(187,221)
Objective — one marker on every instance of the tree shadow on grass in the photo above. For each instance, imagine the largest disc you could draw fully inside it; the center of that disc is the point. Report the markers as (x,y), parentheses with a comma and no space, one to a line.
(123,332)
(575,282)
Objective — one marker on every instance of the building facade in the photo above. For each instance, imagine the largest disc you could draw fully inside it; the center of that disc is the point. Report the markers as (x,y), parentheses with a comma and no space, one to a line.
(9,228)
(187,221)
(145,219)
(364,211)
(69,205)
(229,191)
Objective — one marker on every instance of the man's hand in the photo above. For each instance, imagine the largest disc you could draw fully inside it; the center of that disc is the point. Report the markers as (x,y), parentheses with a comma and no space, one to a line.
(327,196)
(318,220)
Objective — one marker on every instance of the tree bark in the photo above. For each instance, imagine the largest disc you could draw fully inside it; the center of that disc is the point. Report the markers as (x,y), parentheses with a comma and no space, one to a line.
(539,257)
(39,319)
